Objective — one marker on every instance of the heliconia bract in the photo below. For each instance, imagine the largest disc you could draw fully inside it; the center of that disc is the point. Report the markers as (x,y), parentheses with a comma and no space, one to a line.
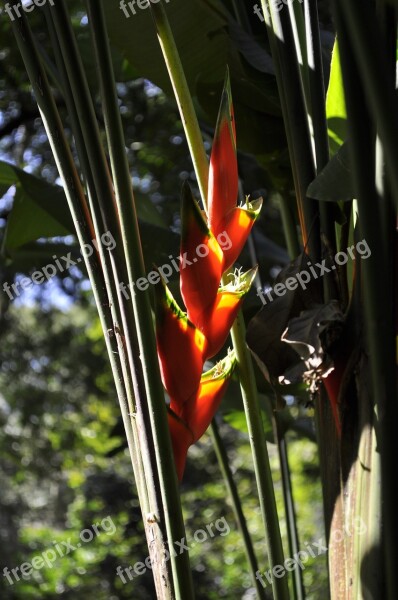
(186,339)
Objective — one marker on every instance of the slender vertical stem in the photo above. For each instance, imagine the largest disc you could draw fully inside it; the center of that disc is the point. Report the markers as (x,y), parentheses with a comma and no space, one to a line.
(102,198)
(120,358)
(183,97)
(222,457)
(319,128)
(295,120)
(289,225)
(294,546)
(76,201)
(262,467)
(371,62)
(104,213)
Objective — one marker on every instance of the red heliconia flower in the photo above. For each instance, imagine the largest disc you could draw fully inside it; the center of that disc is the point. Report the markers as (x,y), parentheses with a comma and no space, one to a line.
(185,341)
(181,347)
(224,214)
(188,422)
(217,321)
(199,280)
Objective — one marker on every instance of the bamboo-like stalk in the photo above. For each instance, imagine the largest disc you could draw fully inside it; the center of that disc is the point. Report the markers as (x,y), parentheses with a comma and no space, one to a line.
(121,358)
(245,366)
(135,266)
(304,44)
(223,462)
(289,225)
(149,395)
(77,204)
(294,546)
(295,10)
(72,184)
(319,128)
(98,224)
(115,266)
(262,467)
(104,207)
(367,502)
(294,113)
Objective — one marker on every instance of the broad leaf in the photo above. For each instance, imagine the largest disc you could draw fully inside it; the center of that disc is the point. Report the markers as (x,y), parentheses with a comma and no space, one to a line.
(334,182)
(39,210)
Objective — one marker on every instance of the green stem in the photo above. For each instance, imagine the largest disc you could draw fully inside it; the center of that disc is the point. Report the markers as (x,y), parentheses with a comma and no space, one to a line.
(104,212)
(76,201)
(297,22)
(308,52)
(103,205)
(289,225)
(262,466)
(183,97)
(294,546)
(294,112)
(222,458)
(317,104)
(124,371)
(136,269)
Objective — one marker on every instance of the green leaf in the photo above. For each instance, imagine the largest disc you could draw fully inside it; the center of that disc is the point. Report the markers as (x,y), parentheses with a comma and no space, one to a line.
(335,104)
(40,209)
(147,211)
(37,255)
(255,54)
(334,182)
(237,420)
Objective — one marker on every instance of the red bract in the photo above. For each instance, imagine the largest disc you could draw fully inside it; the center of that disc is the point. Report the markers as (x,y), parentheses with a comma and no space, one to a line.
(238,224)
(224,214)
(200,410)
(199,280)
(216,322)
(223,173)
(188,422)
(180,345)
